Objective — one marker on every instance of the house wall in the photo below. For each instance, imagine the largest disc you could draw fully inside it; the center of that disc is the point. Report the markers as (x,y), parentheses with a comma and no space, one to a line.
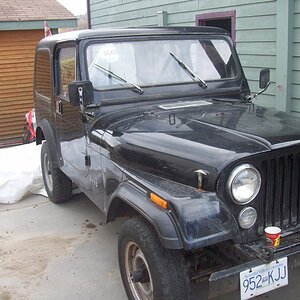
(17,50)
(262,35)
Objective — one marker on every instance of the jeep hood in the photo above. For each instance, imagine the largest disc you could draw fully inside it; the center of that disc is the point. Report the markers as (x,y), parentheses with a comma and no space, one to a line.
(174,140)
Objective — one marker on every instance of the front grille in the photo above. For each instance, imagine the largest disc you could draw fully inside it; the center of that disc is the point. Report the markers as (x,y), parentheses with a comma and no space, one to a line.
(281,197)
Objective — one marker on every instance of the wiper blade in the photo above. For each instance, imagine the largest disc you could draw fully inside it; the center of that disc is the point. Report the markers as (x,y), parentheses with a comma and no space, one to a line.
(93,105)
(191,73)
(228,100)
(137,88)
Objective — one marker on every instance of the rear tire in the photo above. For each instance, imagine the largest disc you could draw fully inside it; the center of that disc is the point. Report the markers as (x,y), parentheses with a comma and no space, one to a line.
(148,270)
(57,184)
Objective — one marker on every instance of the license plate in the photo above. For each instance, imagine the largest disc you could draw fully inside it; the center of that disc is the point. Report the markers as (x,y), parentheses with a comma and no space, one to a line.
(263,278)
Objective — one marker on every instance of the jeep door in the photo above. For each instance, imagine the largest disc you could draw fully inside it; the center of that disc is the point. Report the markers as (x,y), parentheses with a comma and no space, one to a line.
(70,128)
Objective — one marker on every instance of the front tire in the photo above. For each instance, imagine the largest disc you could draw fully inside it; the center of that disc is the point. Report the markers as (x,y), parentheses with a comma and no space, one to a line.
(57,184)
(149,271)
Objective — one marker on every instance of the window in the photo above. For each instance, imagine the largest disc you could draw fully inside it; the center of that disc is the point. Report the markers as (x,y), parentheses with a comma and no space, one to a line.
(43,73)
(148,63)
(225,20)
(67,69)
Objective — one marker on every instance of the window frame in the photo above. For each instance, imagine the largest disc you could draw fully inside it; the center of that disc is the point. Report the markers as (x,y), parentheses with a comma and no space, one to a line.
(40,50)
(57,72)
(231,14)
(156,38)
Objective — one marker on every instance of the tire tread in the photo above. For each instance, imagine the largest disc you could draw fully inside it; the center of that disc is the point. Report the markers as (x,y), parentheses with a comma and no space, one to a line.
(62,185)
(171,273)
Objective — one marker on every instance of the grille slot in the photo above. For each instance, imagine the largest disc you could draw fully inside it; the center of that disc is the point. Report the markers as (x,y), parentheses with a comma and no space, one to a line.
(281,199)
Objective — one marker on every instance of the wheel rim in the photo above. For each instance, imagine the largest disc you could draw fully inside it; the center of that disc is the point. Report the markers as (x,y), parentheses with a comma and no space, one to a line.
(48,172)
(135,261)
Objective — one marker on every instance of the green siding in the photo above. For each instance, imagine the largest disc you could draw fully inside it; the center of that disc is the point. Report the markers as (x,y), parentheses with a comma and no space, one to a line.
(296,59)
(256,32)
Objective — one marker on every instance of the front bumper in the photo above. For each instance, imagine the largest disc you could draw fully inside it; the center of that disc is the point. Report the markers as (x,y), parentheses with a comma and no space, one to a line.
(227,280)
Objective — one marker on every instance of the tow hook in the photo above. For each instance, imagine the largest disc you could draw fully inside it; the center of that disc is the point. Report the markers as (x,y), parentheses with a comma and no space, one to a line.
(266,254)
(140,275)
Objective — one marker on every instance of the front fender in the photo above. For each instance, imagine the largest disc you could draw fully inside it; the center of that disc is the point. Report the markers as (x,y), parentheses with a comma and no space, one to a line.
(193,219)
(203,221)
(137,198)
(200,218)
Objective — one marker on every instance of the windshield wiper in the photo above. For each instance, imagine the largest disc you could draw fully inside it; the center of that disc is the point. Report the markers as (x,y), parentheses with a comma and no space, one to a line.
(194,76)
(137,88)
(93,105)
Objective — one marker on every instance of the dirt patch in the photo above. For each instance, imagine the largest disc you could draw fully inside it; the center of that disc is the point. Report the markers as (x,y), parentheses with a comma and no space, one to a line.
(30,257)
(5,295)
(23,263)
(90,226)
(87,226)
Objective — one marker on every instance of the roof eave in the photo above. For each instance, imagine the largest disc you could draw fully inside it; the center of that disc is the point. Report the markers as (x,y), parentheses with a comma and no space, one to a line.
(37,24)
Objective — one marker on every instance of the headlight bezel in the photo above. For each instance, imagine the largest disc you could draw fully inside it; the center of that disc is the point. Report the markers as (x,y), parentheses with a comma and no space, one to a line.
(237,171)
(244,211)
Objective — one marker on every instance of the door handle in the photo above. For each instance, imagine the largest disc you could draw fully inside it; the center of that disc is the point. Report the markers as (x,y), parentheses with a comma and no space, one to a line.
(59,107)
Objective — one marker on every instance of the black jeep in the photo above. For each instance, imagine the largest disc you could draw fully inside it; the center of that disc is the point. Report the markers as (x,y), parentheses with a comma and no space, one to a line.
(158,124)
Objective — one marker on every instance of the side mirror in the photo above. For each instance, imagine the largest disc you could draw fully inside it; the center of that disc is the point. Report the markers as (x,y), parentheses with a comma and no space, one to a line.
(264,78)
(87,92)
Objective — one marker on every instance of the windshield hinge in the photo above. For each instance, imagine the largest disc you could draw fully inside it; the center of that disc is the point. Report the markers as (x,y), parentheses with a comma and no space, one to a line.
(87,160)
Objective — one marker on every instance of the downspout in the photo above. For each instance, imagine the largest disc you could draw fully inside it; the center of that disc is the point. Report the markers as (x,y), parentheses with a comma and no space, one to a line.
(88,7)
(284,54)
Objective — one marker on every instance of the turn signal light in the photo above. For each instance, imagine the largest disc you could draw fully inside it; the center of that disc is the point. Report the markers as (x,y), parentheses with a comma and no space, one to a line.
(158,201)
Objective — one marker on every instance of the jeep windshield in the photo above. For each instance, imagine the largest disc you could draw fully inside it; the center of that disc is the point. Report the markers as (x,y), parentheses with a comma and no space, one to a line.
(151,63)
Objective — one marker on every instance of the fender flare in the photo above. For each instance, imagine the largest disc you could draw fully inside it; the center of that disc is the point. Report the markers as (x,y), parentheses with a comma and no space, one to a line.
(139,201)
(44,131)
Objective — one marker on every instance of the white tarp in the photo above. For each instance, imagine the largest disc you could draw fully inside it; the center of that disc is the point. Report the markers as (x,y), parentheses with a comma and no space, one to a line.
(20,172)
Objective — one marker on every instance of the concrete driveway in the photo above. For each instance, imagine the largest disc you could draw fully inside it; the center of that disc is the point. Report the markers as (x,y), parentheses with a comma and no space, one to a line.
(65,251)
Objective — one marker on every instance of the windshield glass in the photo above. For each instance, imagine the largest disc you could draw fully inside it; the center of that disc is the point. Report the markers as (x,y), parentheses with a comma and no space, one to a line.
(148,63)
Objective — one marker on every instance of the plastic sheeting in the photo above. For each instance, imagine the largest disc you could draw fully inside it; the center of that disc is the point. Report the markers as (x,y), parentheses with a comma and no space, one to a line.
(20,172)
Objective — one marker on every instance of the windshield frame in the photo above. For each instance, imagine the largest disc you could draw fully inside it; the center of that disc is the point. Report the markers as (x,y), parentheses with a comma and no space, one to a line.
(227,39)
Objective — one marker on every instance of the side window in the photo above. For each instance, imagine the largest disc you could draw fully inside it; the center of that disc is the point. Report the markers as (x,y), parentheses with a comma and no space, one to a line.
(43,73)
(67,69)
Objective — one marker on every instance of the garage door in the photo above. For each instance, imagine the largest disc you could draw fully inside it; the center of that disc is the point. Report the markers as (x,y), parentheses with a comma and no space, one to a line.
(16,80)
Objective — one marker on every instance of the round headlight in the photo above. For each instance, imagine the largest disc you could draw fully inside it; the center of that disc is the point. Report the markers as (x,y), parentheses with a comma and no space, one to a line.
(244,183)
(247,217)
